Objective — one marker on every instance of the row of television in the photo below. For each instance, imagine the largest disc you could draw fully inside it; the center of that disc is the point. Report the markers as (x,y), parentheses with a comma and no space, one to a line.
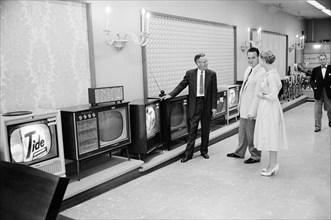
(45,138)
(156,123)
(292,87)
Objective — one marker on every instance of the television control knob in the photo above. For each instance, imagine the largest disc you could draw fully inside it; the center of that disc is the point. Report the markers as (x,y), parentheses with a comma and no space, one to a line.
(84,116)
(80,117)
(93,115)
(89,116)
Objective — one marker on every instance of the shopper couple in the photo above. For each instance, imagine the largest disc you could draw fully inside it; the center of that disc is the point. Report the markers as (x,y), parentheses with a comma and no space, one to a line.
(261,126)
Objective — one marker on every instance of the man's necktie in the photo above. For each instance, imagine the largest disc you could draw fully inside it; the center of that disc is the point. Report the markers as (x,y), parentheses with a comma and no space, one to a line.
(247,77)
(323,68)
(201,83)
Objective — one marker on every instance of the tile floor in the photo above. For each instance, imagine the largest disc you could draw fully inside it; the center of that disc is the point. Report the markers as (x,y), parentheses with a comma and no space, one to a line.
(226,188)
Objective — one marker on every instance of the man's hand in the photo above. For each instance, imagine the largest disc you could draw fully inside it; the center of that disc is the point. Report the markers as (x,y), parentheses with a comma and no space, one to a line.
(214,112)
(249,117)
(165,97)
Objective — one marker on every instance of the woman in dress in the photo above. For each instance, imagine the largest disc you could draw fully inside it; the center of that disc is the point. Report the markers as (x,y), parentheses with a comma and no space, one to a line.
(270,134)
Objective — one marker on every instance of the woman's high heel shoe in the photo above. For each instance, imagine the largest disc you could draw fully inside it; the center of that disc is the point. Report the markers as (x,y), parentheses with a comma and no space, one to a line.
(271,172)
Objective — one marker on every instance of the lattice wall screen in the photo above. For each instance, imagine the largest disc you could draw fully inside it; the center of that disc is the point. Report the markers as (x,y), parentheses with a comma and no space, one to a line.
(174,41)
(278,45)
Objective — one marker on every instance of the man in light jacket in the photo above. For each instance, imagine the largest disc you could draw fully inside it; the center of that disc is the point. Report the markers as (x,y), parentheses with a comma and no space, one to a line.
(248,104)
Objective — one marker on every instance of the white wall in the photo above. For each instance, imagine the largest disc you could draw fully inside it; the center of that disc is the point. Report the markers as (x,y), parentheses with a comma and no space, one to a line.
(125,67)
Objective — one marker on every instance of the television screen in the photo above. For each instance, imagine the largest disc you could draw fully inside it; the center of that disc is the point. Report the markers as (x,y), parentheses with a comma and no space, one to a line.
(221,106)
(33,142)
(112,126)
(233,97)
(152,119)
(177,114)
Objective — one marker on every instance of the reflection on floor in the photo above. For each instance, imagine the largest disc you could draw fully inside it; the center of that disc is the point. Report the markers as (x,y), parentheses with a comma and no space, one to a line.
(226,188)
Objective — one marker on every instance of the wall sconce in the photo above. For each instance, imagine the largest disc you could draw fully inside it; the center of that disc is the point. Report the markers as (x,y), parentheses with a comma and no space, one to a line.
(299,45)
(119,42)
(245,46)
(250,43)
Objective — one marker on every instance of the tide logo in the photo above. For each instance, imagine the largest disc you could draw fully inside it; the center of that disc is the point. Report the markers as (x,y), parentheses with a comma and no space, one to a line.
(30,142)
(36,146)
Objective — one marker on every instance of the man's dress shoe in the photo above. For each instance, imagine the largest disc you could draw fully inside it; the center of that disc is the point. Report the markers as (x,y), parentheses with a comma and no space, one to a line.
(251,160)
(185,159)
(206,156)
(234,155)
(318,129)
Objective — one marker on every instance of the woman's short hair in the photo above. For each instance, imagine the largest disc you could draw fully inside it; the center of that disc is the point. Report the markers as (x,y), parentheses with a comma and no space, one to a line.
(268,56)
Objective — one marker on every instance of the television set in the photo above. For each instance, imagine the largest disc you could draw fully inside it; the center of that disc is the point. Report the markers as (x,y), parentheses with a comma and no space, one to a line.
(34,139)
(282,94)
(233,94)
(93,130)
(174,119)
(233,97)
(221,104)
(145,126)
(291,87)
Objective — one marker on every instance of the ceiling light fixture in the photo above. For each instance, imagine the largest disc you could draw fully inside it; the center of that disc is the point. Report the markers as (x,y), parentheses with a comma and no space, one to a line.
(319,6)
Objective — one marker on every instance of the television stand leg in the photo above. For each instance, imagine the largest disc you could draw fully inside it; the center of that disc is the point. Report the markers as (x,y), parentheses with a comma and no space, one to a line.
(165,145)
(127,152)
(78,168)
(110,154)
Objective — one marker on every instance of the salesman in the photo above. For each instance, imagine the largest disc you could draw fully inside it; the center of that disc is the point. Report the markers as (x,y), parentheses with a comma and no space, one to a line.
(202,103)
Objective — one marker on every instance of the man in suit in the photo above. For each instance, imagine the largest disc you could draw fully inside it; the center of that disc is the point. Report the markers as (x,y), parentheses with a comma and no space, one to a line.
(320,81)
(248,103)
(202,103)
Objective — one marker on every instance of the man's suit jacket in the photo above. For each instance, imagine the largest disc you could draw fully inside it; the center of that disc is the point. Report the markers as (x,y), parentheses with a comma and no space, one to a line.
(249,101)
(317,82)
(190,79)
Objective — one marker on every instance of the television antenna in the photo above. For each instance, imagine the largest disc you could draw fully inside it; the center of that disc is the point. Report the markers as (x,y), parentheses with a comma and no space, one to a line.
(162,93)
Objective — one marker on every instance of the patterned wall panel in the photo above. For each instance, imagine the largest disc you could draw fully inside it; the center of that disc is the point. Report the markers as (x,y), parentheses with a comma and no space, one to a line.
(278,45)
(44,55)
(173,43)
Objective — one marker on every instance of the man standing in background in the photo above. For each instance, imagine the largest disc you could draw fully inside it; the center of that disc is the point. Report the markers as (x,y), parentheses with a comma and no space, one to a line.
(320,81)
(248,103)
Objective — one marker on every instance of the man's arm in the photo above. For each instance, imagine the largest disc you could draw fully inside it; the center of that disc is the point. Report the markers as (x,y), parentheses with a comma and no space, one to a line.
(214,94)
(214,90)
(313,78)
(180,87)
